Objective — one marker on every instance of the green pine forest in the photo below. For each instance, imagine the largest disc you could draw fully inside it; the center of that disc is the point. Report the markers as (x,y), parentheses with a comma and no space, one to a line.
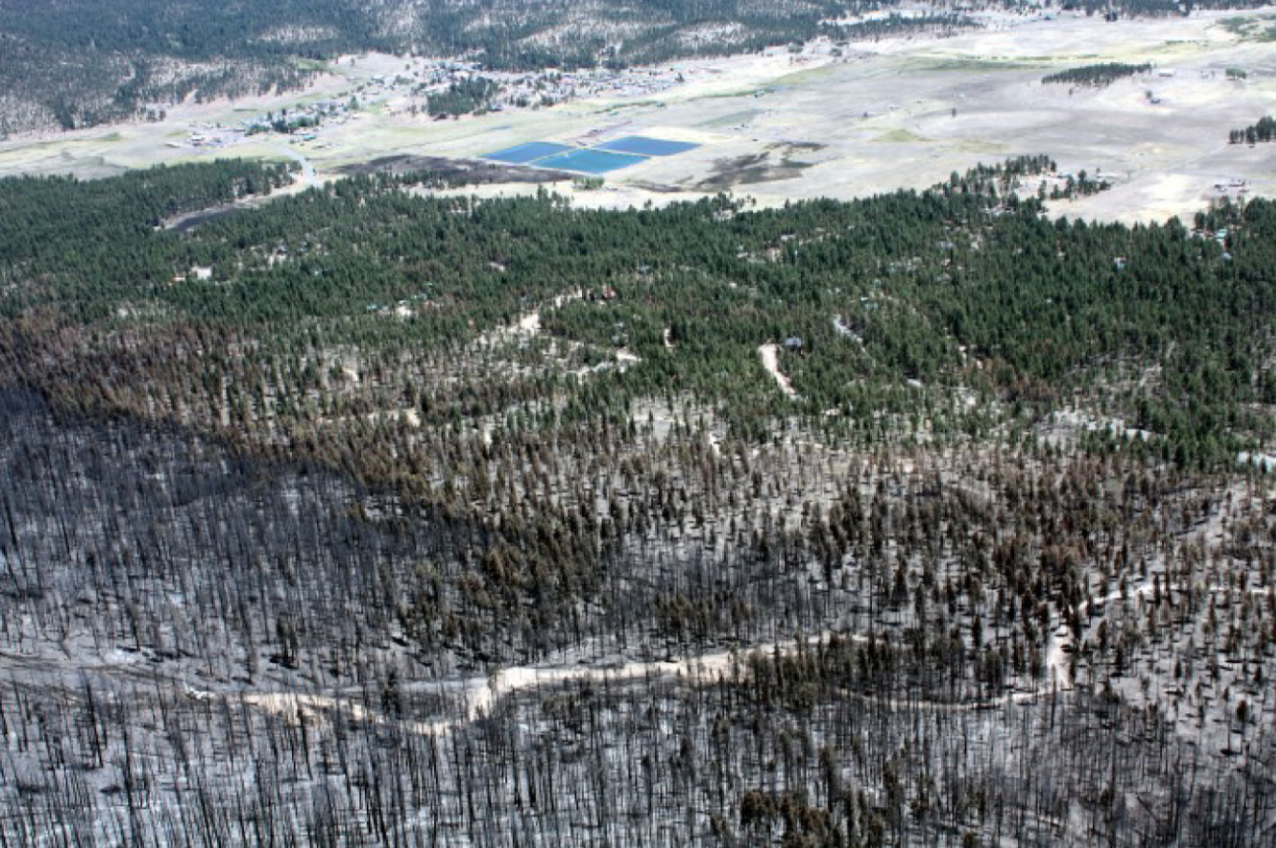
(960,313)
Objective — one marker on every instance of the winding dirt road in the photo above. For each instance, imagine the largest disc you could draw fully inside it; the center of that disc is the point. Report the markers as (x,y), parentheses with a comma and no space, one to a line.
(770,354)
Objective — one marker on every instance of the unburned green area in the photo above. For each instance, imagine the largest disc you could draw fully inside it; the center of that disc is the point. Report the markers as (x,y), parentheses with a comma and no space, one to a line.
(891,312)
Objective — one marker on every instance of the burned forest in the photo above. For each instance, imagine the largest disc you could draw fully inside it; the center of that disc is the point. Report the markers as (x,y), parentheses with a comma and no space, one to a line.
(374,516)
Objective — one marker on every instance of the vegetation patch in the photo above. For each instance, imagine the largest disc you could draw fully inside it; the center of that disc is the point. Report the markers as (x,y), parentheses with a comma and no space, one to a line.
(1262,131)
(901,136)
(1096,76)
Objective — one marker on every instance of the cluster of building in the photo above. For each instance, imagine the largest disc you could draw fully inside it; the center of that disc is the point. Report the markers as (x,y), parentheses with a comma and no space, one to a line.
(407,90)
(522,90)
(300,121)
(631,82)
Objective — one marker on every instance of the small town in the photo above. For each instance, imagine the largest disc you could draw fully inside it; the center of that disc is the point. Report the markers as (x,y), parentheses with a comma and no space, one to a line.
(438,90)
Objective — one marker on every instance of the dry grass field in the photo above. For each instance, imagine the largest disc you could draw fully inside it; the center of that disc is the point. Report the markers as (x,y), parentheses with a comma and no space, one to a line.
(849,122)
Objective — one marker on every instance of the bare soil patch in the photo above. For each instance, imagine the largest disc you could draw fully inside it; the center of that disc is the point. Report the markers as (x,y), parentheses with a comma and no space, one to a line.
(463,171)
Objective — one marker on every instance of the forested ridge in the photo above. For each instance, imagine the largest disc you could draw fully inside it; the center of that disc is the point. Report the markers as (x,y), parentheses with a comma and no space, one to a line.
(78,63)
(372,516)
(75,63)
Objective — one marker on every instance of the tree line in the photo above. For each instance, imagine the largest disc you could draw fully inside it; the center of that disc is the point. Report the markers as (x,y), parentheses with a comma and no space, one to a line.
(1264,130)
(1096,76)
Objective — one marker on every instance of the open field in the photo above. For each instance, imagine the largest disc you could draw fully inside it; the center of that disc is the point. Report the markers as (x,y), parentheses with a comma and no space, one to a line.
(902,112)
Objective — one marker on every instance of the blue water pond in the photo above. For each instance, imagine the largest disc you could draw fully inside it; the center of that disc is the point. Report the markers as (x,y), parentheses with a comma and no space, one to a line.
(522,154)
(645,146)
(591,161)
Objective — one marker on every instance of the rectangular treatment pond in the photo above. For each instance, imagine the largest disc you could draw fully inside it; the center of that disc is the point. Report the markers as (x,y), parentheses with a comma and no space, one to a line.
(591,161)
(523,154)
(646,146)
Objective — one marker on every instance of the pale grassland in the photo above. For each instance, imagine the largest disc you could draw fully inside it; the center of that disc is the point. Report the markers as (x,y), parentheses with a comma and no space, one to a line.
(895,113)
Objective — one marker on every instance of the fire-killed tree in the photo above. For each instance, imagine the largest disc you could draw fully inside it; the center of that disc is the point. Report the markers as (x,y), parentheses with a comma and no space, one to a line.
(368,518)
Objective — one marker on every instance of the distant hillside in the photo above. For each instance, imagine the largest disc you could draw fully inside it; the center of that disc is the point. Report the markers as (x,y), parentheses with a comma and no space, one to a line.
(83,62)
(74,63)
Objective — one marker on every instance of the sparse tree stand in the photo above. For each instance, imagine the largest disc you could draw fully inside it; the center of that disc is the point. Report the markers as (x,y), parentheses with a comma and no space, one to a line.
(1263,131)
